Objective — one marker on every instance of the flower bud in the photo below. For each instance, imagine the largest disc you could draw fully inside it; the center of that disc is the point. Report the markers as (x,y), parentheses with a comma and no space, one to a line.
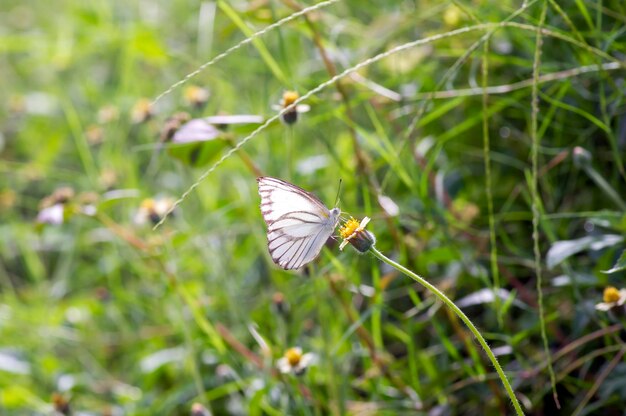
(354,233)
(582,157)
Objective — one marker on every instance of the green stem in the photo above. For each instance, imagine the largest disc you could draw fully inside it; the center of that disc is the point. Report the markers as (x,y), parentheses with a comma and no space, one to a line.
(461,315)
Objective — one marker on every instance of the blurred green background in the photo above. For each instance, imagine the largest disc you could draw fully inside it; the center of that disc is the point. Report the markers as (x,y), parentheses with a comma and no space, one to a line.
(100,314)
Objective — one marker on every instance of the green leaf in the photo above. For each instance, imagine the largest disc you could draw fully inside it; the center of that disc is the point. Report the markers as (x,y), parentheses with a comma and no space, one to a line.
(561,250)
(198,154)
(619,265)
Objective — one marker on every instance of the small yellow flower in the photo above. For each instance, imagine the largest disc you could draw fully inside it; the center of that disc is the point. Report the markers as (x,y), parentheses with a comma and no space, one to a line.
(612,298)
(61,404)
(60,195)
(354,233)
(196,96)
(94,134)
(107,114)
(8,198)
(611,295)
(142,111)
(291,116)
(152,210)
(294,361)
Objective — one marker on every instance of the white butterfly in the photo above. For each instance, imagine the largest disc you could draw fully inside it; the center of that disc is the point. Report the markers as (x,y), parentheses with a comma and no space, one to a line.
(298,223)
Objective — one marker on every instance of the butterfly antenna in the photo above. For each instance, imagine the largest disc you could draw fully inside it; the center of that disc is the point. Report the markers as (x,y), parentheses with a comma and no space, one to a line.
(338,193)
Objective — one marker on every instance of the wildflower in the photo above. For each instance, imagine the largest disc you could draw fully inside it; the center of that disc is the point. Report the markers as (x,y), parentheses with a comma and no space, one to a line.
(107,114)
(355,233)
(582,157)
(53,215)
(280,304)
(87,203)
(198,410)
(94,134)
(63,203)
(142,111)
(8,198)
(173,124)
(152,210)
(52,207)
(295,362)
(196,96)
(107,178)
(612,298)
(291,116)
(60,404)
(60,196)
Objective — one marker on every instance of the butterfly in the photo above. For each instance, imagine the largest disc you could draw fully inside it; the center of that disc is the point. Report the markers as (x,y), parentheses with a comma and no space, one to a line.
(298,223)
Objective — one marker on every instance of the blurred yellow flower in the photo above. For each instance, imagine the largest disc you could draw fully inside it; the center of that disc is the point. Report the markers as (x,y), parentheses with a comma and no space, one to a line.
(141,111)
(294,361)
(196,96)
(612,298)
(291,116)
(152,210)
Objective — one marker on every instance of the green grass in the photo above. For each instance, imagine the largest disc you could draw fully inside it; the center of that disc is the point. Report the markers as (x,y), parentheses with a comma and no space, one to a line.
(119,317)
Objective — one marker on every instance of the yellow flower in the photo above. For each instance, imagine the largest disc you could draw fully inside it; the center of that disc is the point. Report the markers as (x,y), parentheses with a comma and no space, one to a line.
(196,96)
(294,361)
(142,111)
(354,233)
(291,116)
(612,298)
(289,97)
(152,210)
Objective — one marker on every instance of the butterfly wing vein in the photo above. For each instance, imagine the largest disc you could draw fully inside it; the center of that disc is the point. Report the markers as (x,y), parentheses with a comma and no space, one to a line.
(298,223)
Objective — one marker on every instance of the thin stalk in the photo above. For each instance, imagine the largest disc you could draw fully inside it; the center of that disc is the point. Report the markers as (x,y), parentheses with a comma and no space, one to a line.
(442,297)
(536,198)
(493,249)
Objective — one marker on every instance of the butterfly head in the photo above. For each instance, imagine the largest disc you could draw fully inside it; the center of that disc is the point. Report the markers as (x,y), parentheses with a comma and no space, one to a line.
(334,214)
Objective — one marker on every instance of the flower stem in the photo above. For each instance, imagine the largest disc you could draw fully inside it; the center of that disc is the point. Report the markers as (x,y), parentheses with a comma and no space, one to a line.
(461,315)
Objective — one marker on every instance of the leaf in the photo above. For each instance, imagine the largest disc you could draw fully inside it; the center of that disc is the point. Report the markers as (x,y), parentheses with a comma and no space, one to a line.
(160,358)
(486,295)
(198,154)
(579,279)
(562,250)
(619,265)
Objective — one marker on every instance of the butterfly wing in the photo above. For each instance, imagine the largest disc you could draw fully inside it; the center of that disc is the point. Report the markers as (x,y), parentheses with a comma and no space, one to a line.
(298,223)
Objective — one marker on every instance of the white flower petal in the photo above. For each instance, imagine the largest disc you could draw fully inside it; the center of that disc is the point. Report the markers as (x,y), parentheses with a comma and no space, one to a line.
(308,359)
(51,215)
(283,365)
(303,108)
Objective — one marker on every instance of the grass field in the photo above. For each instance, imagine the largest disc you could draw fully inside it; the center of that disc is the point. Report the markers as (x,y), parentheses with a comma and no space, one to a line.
(484,139)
